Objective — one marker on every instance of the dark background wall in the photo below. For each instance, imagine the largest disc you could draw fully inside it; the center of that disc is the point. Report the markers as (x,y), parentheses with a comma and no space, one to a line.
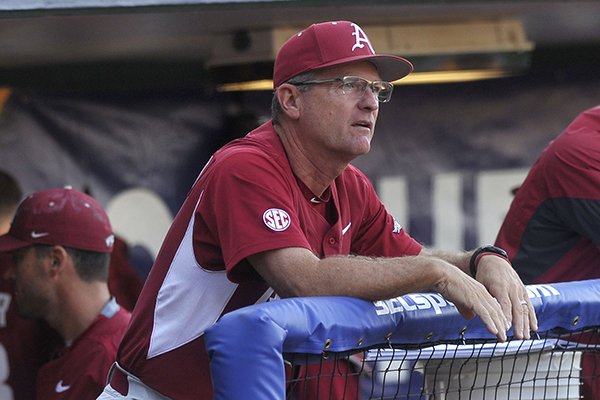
(468,130)
(444,156)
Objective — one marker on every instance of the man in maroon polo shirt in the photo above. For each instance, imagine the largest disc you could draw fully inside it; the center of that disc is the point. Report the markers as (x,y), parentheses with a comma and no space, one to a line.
(282,212)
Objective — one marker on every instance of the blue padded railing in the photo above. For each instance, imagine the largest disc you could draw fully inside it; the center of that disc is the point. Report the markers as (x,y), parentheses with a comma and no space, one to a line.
(247,346)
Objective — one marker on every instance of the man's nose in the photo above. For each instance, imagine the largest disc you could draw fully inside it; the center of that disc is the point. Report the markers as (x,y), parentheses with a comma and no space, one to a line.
(369,100)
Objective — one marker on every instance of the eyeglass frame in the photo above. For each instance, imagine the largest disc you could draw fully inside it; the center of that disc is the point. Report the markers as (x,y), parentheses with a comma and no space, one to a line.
(341,79)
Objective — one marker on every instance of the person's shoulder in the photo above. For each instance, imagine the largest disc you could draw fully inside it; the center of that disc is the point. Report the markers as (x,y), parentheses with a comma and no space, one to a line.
(587,120)
(576,144)
(575,151)
(583,130)
(262,142)
(261,149)
(110,326)
(106,332)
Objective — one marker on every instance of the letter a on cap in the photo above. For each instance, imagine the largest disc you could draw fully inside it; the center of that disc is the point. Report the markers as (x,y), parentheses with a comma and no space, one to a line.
(361,38)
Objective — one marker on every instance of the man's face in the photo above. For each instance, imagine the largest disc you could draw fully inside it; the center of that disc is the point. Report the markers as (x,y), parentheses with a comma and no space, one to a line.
(339,124)
(31,283)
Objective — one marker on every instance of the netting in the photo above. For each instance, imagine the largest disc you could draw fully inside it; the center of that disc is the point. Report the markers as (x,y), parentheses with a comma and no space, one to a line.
(550,366)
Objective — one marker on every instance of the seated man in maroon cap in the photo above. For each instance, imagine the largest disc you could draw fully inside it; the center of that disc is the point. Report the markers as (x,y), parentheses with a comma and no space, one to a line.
(24,343)
(281,212)
(60,241)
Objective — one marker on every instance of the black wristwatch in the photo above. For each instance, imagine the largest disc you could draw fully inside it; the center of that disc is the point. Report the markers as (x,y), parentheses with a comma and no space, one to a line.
(485,249)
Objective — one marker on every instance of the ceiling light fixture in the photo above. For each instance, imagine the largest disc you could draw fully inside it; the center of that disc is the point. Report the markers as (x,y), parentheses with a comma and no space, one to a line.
(441,52)
(416,78)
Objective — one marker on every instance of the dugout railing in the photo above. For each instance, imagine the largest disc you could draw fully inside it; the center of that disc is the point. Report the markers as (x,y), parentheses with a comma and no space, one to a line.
(412,347)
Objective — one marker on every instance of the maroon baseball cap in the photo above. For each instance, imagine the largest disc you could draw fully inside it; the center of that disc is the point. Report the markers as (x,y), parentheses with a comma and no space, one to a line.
(331,43)
(65,217)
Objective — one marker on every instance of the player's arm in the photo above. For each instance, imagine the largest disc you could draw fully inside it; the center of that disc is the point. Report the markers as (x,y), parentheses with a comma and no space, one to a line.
(571,174)
(295,272)
(502,282)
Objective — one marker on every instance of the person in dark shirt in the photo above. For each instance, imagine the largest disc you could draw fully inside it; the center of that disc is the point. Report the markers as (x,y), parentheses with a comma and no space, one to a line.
(552,229)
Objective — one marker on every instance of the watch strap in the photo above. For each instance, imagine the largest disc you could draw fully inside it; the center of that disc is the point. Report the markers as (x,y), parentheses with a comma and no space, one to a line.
(480,251)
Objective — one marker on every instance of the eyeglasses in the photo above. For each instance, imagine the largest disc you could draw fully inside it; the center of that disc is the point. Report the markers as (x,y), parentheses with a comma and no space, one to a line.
(357,86)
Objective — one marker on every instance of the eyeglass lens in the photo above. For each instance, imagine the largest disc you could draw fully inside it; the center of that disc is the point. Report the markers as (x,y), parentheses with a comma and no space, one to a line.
(354,84)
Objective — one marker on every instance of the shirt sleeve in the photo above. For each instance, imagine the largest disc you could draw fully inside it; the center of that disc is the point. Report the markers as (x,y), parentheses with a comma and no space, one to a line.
(246,208)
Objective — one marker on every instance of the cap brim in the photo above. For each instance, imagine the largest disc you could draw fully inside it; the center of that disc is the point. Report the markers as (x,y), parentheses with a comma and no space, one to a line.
(9,243)
(390,68)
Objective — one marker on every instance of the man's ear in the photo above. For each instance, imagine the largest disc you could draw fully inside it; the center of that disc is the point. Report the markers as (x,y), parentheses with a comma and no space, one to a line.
(58,256)
(289,99)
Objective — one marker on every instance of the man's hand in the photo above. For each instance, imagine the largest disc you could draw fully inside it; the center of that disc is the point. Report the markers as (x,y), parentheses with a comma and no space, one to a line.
(503,282)
(472,298)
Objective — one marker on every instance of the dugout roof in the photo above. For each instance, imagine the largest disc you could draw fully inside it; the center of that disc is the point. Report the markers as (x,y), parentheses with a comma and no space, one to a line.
(45,41)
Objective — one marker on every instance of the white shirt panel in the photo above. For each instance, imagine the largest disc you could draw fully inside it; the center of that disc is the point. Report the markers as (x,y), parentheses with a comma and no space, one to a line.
(190,300)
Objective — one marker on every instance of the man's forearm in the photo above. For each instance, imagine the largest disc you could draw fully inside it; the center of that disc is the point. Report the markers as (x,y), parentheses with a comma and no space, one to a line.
(460,259)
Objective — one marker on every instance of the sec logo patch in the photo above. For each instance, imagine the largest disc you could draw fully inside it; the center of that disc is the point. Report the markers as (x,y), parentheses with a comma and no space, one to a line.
(276,219)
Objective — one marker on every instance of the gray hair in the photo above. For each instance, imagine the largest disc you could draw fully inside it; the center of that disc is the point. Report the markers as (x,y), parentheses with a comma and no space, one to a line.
(276,106)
